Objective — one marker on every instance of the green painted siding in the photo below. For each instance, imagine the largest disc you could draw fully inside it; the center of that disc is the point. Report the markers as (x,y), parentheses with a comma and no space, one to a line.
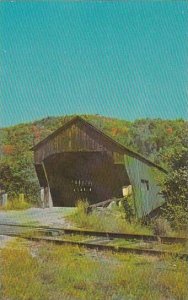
(145,186)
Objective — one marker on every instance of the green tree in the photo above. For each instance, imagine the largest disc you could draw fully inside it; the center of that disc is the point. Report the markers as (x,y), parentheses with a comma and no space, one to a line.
(175,188)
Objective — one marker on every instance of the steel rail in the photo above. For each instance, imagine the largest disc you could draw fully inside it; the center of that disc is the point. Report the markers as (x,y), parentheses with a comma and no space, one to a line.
(143,237)
(119,249)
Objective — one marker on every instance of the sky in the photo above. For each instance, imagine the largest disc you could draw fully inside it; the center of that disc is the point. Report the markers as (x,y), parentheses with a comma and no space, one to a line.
(124,59)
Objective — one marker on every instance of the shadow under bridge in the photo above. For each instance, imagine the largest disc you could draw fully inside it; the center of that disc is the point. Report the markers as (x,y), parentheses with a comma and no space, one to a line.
(90,176)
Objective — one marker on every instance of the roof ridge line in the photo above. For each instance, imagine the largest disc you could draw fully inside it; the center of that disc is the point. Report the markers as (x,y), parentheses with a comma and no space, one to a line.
(78,117)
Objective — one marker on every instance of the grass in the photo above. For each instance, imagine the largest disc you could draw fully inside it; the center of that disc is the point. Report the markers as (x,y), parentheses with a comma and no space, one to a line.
(178,248)
(76,237)
(107,220)
(33,271)
(16,204)
(114,220)
(19,274)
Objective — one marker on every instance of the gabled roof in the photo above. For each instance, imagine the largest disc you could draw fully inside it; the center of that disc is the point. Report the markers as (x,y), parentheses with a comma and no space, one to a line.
(124,148)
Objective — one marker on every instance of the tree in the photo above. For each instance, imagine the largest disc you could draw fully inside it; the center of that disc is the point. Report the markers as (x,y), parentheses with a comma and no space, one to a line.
(19,177)
(175,189)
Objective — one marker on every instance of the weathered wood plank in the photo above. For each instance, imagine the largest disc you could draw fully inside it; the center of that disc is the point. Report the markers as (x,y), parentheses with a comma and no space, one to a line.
(78,137)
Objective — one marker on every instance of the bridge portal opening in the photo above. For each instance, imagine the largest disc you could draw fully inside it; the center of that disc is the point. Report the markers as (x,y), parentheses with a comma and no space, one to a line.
(90,176)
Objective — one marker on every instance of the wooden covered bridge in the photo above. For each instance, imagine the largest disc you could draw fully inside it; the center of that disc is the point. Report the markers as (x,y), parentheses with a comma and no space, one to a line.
(78,161)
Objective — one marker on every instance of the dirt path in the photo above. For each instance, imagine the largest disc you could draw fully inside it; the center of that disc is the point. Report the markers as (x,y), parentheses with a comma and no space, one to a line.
(49,216)
(54,217)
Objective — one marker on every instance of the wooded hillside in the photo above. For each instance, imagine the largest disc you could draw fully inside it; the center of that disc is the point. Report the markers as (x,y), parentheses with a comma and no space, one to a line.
(158,140)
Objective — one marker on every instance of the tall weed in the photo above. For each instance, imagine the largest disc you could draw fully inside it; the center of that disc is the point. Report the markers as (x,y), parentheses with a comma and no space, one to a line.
(105,220)
(16,204)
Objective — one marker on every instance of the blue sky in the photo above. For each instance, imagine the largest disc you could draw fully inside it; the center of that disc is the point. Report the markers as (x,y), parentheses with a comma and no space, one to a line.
(125,59)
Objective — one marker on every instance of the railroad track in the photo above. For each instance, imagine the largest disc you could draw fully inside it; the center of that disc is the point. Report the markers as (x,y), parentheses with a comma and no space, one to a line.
(59,230)
(99,241)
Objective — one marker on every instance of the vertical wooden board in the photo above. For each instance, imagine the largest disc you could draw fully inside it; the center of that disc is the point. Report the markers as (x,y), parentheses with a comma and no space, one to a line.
(77,137)
(145,200)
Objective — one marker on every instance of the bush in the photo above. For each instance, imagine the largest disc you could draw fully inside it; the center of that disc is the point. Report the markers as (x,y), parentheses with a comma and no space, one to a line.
(177,216)
(161,227)
(128,208)
(176,194)
(174,186)
(16,204)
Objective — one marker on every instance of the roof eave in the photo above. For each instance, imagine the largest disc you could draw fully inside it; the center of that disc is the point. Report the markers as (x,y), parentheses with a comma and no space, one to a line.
(124,148)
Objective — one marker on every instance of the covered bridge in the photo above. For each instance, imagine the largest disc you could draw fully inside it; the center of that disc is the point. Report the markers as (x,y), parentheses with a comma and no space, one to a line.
(78,161)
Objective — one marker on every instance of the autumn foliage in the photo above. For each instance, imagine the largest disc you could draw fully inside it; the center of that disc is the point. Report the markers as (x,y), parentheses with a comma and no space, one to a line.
(8,149)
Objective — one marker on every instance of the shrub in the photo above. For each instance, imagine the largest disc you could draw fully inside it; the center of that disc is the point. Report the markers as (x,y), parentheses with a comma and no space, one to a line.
(177,216)
(16,204)
(176,193)
(161,227)
(128,208)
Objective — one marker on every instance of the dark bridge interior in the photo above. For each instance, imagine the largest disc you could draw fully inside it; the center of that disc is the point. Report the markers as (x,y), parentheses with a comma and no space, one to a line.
(90,176)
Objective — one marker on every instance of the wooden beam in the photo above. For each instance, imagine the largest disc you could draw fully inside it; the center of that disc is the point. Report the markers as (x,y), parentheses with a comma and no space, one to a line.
(102,204)
(47,194)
